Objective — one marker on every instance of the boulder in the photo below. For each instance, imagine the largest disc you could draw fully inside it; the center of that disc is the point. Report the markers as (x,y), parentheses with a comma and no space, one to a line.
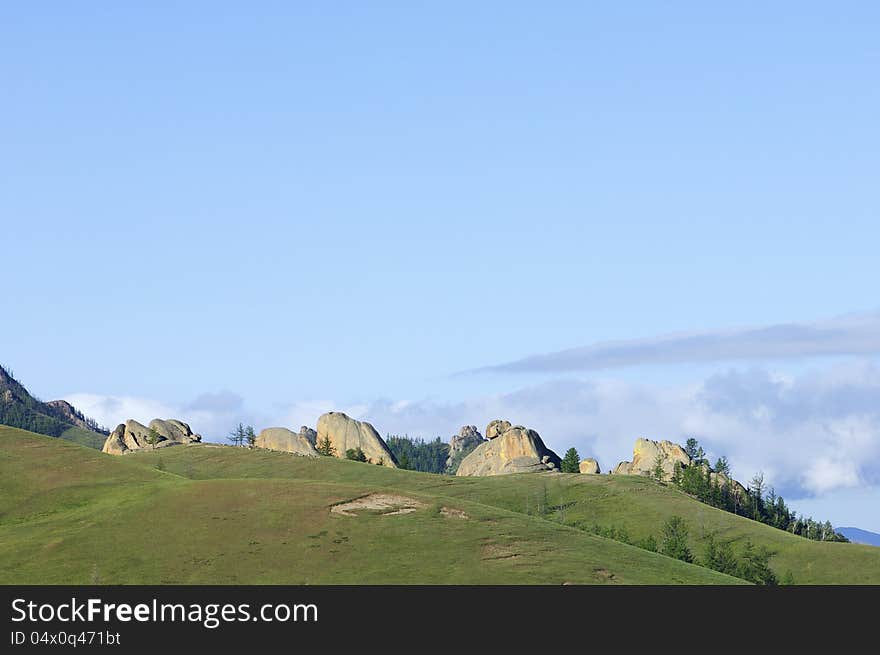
(310,435)
(516,450)
(287,441)
(132,436)
(466,440)
(589,466)
(645,458)
(496,428)
(345,433)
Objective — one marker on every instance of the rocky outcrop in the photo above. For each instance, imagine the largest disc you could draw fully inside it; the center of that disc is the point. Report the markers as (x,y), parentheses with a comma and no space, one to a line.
(515,450)
(645,458)
(287,441)
(496,428)
(465,441)
(308,434)
(132,436)
(66,412)
(345,433)
(589,466)
(723,481)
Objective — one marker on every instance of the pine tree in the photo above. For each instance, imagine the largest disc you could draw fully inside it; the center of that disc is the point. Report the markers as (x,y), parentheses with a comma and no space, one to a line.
(238,435)
(675,539)
(355,454)
(250,436)
(326,448)
(657,472)
(571,462)
(676,474)
(756,487)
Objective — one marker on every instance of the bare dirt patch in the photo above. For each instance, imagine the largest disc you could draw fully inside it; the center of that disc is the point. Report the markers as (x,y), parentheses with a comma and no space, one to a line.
(492,551)
(384,504)
(451,512)
(604,574)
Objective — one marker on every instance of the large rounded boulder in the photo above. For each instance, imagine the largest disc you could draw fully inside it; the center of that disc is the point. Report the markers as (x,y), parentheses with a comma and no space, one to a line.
(515,450)
(132,436)
(345,433)
(589,466)
(286,441)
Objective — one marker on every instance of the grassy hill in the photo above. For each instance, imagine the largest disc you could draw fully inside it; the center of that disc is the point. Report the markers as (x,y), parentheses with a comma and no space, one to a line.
(213,514)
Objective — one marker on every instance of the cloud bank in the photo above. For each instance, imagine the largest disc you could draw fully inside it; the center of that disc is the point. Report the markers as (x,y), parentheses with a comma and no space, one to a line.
(850,335)
(811,434)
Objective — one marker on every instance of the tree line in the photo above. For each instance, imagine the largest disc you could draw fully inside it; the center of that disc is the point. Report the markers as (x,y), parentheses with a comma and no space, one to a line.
(748,562)
(418,454)
(758,503)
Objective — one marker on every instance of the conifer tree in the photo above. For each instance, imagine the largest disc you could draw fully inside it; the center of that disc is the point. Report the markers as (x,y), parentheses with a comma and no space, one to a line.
(571,462)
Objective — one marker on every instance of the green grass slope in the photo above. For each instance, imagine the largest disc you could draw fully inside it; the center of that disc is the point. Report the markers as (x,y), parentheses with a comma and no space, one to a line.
(213,514)
(220,515)
(636,504)
(84,437)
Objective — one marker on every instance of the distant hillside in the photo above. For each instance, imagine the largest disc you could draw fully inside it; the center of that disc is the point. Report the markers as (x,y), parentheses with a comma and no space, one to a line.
(58,418)
(859,536)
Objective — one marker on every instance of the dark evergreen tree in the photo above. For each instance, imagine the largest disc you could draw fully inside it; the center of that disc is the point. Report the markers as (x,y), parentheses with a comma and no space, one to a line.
(571,462)
(675,539)
(355,454)
(325,447)
(418,454)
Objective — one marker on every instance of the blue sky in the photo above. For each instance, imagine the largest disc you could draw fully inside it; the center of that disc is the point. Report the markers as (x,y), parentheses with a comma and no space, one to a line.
(263,212)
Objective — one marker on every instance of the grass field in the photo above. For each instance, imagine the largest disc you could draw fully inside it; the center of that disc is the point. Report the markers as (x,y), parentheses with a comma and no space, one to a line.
(84,437)
(212,514)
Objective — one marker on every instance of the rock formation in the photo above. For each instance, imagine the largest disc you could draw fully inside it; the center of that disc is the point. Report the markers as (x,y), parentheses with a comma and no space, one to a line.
(64,411)
(645,458)
(287,441)
(724,481)
(644,461)
(466,440)
(511,449)
(589,466)
(132,436)
(496,428)
(345,433)
(310,435)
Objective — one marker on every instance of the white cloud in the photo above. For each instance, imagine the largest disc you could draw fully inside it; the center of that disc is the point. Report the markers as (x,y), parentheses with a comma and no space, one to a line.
(857,334)
(829,473)
(113,410)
